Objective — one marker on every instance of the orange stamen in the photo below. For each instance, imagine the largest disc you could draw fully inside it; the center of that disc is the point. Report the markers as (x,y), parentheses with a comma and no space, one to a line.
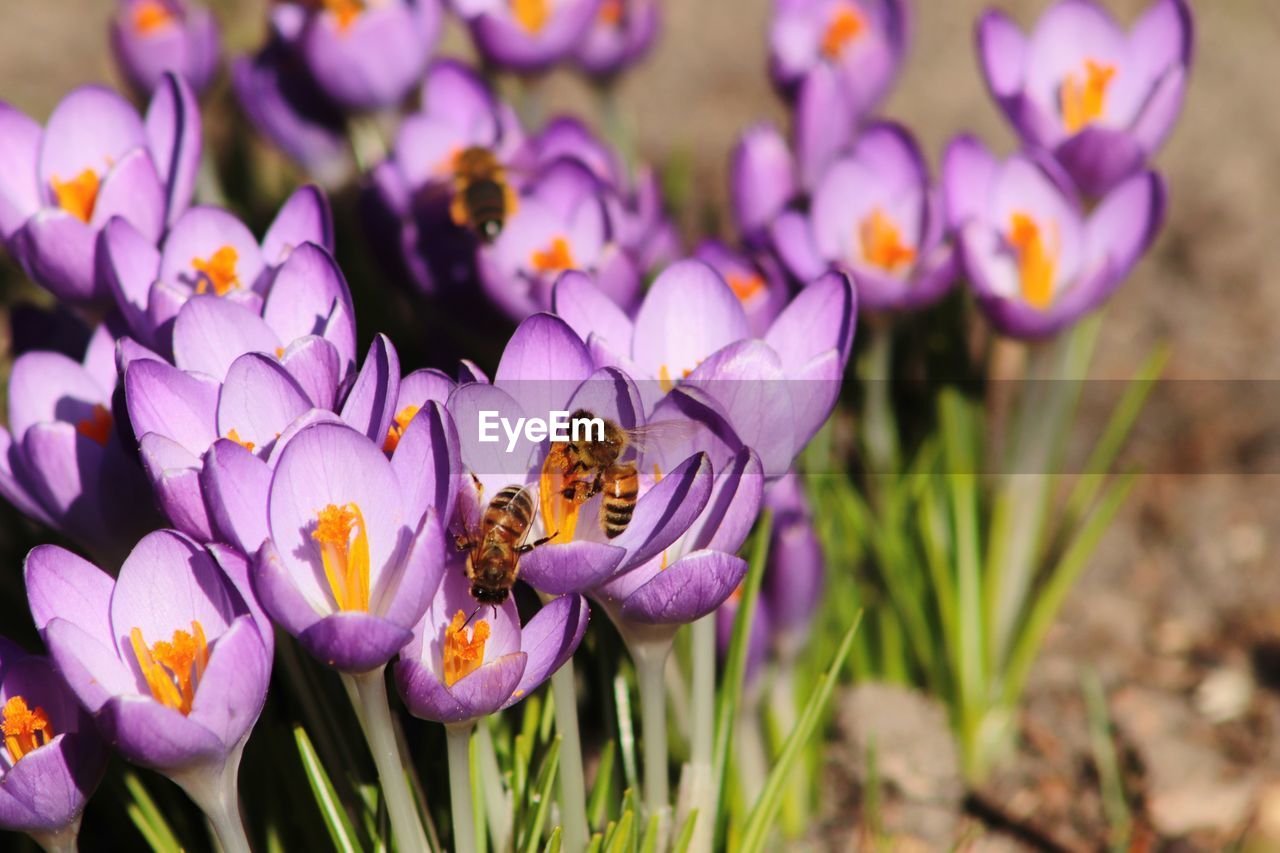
(845,26)
(218,272)
(1037,262)
(173,669)
(97,426)
(235,436)
(558,512)
(611,12)
(346,11)
(25,729)
(149,16)
(555,258)
(882,244)
(745,286)
(1083,101)
(463,648)
(531,14)
(344,550)
(397,428)
(79,195)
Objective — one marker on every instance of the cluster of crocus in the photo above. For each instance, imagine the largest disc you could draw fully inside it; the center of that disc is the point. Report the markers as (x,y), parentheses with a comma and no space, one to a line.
(150,38)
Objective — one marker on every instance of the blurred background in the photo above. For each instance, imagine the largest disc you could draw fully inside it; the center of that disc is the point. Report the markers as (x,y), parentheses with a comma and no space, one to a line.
(1179,615)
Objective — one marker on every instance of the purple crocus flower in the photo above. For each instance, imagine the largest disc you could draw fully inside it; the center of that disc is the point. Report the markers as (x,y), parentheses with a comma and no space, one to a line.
(758,635)
(63,459)
(756,280)
(95,159)
(1100,100)
(863,41)
(561,223)
(876,217)
(284,103)
(356,548)
(545,368)
(151,37)
(691,329)
(464,663)
(793,579)
(167,657)
(621,34)
(51,758)
(1036,262)
(527,36)
(409,195)
(366,55)
(762,181)
(210,257)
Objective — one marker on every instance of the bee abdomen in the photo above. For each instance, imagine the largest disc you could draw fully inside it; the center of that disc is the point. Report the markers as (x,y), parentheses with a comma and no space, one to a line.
(486,203)
(621,487)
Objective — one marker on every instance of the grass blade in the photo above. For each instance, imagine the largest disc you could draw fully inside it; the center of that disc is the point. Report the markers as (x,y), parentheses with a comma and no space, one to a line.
(341,832)
(147,817)
(542,796)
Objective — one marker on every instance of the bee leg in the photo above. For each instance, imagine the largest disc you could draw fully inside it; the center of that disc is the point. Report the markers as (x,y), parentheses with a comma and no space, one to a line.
(462,543)
(526,548)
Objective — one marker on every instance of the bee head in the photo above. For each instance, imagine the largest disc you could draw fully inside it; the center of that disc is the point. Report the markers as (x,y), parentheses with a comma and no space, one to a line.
(487,595)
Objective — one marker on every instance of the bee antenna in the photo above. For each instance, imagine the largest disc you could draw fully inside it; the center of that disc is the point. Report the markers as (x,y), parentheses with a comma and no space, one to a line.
(473,615)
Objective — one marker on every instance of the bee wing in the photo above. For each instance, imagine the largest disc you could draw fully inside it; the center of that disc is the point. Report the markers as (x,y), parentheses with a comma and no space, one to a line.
(660,434)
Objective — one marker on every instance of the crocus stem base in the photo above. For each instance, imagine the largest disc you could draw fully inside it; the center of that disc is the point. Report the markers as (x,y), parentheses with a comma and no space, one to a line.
(651,660)
(702,793)
(213,788)
(59,841)
(370,690)
(458,737)
(573,788)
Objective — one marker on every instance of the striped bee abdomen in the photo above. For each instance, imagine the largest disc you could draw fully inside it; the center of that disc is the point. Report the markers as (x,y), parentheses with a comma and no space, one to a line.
(621,486)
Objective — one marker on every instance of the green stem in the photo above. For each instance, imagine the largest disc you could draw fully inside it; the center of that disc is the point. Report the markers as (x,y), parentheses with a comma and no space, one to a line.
(880,431)
(370,691)
(573,787)
(497,800)
(650,660)
(458,737)
(213,788)
(60,841)
(703,795)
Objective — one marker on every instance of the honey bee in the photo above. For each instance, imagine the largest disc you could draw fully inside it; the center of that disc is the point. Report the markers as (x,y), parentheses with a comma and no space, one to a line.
(577,470)
(482,198)
(495,546)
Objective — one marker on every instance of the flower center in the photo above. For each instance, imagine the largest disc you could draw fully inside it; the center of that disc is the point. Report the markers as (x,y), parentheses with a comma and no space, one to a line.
(531,14)
(745,285)
(218,272)
(24,728)
(235,436)
(463,648)
(845,26)
(555,258)
(78,195)
(346,11)
(611,12)
(173,669)
(97,426)
(151,15)
(1037,261)
(664,377)
(397,428)
(882,244)
(1084,96)
(344,549)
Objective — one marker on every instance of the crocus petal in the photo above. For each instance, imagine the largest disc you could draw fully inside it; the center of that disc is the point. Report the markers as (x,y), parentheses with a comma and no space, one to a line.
(61,584)
(1152,127)
(478,694)
(174,130)
(577,301)
(303,218)
(211,332)
(372,61)
(90,128)
(157,736)
(791,236)
(259,400)
(968,173)
(47,789)
(57,250)
(132,189)
(175,478)
(484,451)
(686,590)
(665,512)
(315,365)
(570,568)
(543,362)
(402,596)
(821,317)
(428,462)
(549,639)
(235,484)
(238,568)
(200,233)
(233,686)
(304,290)
(19,149)
(48,386)
(274,588)
(824,123)
(130,264)
(688,313)
(761,179)
(92,669)
(165,400)
(733,506)
(1125,223)
(1097,158)
(354,642)
(66,477)
(1002,49)
(370,406)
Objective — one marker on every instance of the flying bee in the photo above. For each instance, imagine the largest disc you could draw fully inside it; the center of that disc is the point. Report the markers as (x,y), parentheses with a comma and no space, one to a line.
(482,198)
(495,545)
(581,468)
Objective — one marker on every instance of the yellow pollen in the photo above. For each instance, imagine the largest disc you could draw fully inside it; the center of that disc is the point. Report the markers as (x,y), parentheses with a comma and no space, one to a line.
(611,12)
(279,352)
(173,669)
(559,513)
(346,11)
(882,244)
(531,14)
(745,286)
(97,426)
(78,195)
(1083,101)
(664,377)
(845,26)
(218,272)
(397,428)
(555,258)
(235,436)
(1036,261)
(344,549)
(149,16)
(463,648)
(25,729)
